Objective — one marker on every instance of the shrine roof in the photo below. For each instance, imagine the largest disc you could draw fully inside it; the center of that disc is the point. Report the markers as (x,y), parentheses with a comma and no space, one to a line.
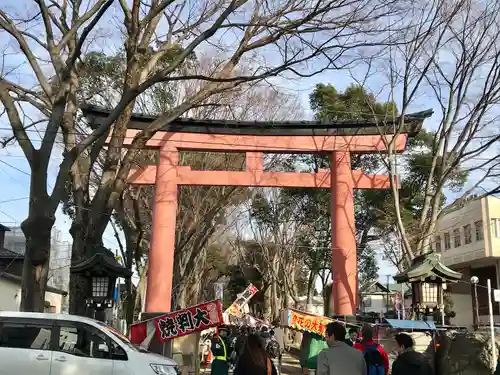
(428,267)
(413,124)
(103,259)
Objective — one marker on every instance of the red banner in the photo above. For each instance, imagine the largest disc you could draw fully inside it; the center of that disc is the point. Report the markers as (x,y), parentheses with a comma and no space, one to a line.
(190,320)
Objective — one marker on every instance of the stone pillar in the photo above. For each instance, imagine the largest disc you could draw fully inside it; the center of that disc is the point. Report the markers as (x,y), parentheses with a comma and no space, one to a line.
(344,264)
(161,254)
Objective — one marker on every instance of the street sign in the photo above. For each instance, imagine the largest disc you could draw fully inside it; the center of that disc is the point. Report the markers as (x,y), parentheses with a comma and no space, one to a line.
(496,295)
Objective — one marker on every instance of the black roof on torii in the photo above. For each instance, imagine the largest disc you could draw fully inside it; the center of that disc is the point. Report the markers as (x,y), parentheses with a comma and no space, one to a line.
(413,124)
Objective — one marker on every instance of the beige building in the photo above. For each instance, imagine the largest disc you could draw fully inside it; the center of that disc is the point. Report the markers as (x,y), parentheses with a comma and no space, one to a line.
(468,238)
(11,265)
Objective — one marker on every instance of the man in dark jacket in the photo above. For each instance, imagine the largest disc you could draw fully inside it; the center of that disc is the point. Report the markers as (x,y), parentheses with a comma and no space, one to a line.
(409,362)
(264,336)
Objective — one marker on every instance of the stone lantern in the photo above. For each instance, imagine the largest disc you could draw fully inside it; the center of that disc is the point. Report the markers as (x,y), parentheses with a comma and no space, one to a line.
(101,270)
(428,277)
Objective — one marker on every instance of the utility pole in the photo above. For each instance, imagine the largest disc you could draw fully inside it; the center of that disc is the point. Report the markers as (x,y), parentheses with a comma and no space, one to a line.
(388,302)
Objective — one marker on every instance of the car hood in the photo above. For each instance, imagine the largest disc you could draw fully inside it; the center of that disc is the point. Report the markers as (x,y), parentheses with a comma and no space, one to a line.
(155,358)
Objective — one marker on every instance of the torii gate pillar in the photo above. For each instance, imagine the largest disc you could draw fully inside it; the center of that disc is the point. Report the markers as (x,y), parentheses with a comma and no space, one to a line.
(344,264)
(161,255)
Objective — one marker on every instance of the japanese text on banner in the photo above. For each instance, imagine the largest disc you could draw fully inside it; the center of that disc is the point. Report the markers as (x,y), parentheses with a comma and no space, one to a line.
(190,320)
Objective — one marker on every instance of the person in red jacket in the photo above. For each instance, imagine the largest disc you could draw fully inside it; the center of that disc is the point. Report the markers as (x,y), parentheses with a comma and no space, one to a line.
(367,346)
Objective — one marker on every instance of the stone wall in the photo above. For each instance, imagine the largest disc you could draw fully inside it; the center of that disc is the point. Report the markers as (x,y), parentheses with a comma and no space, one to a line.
(456,354)
(467,354)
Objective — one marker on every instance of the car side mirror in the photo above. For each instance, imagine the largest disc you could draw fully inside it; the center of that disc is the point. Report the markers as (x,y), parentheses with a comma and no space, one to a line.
(103,348)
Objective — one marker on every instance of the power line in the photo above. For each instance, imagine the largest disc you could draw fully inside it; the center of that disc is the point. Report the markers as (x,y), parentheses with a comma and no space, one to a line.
(14,200)
(13,167)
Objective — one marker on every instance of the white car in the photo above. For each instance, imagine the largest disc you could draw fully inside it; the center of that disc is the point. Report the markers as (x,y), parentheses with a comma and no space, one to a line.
(63,344)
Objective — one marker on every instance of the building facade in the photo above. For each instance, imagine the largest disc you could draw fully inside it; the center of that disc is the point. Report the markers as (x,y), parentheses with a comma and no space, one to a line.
(11,269)
(468,238)
(380,299)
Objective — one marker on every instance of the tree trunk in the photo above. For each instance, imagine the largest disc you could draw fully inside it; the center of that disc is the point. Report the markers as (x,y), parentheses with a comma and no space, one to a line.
(37,230)
(311,283)
(141,287)
(267,301)
(84,243)
(275,301)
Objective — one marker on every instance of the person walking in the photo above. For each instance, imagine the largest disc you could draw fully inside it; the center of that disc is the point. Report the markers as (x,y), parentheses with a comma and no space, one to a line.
(220,365)
(339,358)
(254,359)
(279,334)
(240,343)
(274,351)
(264,336)
(409,362)
(353,337)
(376,358)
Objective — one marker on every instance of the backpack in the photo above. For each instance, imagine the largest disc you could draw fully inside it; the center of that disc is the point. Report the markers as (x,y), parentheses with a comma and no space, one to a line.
(273,348)
(374,360)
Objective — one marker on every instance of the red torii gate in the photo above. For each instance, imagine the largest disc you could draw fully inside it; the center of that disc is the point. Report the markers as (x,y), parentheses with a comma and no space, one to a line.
(338,139)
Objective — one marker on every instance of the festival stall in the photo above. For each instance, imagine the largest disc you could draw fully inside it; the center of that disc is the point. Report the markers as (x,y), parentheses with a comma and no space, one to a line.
(313,329)
(306,322)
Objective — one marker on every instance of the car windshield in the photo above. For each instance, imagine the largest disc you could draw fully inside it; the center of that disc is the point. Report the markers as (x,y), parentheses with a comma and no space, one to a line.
(123,339)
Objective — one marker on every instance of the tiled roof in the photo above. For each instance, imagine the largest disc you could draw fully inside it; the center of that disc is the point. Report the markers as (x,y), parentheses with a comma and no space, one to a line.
(3,228)
(412,125)
(8,254)
(425,266)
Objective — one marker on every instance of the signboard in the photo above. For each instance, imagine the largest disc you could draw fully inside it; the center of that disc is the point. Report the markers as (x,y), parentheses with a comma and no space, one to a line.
(179,323)
(237,308)
(302,321)
(496,295)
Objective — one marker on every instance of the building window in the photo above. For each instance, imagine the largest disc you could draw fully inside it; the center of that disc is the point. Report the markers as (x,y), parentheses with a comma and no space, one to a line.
(456,238)
(479,230)
(367,301)
(494,227)
(438,244)
(467,234)
(447,241)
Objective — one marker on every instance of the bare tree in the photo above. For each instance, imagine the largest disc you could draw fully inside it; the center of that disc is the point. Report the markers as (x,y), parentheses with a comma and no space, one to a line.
(203,211)
(268,240)
(452,60)
(159,39)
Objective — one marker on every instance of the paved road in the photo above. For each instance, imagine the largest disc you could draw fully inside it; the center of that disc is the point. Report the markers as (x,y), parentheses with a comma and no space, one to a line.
(290,365)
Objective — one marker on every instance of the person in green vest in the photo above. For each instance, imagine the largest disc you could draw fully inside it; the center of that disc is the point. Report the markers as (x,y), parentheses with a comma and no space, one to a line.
(312,344)
(220,352)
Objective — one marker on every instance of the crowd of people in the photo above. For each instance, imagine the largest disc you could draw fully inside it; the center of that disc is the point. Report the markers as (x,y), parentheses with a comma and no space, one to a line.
(247,350)
(251,351)
(365,356)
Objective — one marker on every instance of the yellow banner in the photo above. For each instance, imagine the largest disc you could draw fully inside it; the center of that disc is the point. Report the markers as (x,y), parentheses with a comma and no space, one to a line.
(302,321)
